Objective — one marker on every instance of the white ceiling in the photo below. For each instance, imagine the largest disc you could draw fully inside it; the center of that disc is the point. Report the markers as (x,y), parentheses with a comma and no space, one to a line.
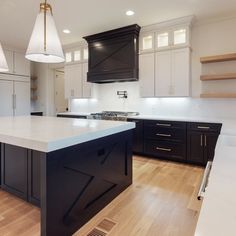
(84,17)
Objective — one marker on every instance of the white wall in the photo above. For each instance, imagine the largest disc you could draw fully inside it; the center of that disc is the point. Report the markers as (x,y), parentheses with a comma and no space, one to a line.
(208,38)
(45,92)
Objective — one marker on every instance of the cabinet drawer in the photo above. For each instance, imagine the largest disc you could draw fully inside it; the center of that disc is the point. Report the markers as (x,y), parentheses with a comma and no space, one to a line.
(165,149)
(169,134)
(205,127)
(165,124)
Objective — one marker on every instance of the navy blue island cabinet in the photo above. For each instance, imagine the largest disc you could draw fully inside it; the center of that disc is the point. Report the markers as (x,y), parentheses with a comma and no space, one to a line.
(72,184)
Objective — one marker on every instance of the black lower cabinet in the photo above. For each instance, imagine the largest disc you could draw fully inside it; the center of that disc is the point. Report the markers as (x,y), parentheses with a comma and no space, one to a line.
(14,170)
(20,172)
(165,139)
(165,149)
(201,142)
(137,136)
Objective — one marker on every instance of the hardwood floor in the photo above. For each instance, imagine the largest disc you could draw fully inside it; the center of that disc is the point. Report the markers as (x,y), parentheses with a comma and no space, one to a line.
(161,202)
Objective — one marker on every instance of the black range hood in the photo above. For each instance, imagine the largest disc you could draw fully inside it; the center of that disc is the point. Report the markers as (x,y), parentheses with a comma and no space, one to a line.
(113,55)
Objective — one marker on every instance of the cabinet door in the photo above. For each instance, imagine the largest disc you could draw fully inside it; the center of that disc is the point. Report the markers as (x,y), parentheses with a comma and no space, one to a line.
(73,81)
(163,74)
(181,72)
(21,64)
(22,98)
(147,74)
(86,85)
(6,98)
(210,140)
(10,60)
(195,146)
(14,170)
(146,42)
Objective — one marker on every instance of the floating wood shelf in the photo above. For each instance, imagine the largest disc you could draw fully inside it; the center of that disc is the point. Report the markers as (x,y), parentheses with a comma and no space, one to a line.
(34,88)
(218,58)
(218,95)
(219,77)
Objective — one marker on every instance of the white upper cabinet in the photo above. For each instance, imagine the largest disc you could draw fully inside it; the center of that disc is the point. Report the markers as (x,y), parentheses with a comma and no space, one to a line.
(10,60)
(172,73)
(163,74)
(21,64)
(147,74)
(17,63)
(164,60)
(73,81)
(180,72)
(76,85)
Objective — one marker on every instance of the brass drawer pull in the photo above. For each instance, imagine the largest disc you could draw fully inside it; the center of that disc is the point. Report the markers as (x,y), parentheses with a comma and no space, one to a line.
(164,149)
(165,125)
(164,135)
(203,127)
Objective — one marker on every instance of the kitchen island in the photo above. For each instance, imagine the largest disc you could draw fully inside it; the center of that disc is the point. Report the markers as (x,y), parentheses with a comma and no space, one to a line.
(71,168)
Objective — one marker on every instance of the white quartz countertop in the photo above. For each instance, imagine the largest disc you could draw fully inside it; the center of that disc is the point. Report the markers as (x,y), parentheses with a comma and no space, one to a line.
(48,134)
(218,212)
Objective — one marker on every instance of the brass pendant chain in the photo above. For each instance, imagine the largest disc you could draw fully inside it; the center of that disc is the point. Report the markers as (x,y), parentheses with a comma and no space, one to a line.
(45,26)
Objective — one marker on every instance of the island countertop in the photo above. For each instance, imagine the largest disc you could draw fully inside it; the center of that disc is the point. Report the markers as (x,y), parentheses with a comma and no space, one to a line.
(48,134)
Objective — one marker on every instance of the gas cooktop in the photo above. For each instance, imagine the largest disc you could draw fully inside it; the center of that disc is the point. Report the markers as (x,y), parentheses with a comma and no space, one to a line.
(113,115)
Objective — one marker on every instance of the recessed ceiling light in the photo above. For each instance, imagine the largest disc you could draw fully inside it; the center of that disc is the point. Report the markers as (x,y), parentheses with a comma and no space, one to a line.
(130,13)
(66,31)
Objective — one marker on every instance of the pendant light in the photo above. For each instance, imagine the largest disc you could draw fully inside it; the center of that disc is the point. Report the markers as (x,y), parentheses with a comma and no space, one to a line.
(3,61)
(45,45)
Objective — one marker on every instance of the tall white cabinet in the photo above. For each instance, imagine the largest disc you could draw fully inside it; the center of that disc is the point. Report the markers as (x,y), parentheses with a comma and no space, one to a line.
(164,60)
(14,96)
(6,98)
(21,98)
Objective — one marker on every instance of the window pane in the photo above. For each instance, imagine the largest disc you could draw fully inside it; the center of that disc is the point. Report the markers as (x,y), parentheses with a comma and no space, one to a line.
(85,53)
(180,36)
(77,56)
(163,40)
(68,57)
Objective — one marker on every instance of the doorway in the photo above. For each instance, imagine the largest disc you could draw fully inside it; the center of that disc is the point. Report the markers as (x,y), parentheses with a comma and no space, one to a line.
(61,104)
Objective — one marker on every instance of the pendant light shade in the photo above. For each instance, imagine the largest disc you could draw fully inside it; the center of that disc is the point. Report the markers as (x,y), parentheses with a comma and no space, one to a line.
(3,61)
(45,45)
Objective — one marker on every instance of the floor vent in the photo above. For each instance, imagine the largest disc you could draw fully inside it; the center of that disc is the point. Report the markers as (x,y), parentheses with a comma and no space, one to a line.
(103,228)
(97,232)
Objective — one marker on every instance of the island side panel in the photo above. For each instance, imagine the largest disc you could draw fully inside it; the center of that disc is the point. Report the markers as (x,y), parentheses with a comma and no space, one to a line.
(78,181)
